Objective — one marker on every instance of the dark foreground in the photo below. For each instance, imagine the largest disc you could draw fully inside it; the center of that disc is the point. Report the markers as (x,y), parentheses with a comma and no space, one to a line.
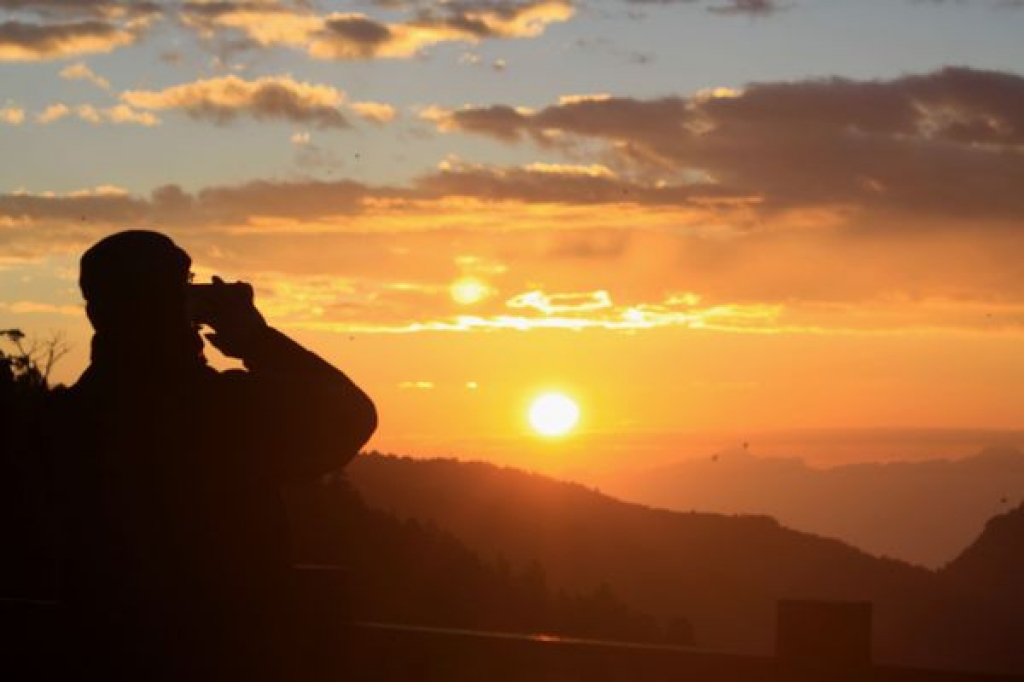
(392,652)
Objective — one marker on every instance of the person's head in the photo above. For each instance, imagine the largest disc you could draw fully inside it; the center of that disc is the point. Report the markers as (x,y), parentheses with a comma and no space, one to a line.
(135,285)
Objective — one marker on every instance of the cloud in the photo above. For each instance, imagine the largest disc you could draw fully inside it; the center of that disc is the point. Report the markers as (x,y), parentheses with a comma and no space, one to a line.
(745,7)
(940,143)
(80,71)
(121,113)
(53,221)
(593,170)
(536,310)
(346,256)
(358,305)
(97,9)
(62,211)
(722,6)
(552,304)
(355,36)
(12,115)
(21,42)
(263,23)
(576,184)
(61,28)
(117,114)
(52,113)
(417,385)
(376,112)
(225,99)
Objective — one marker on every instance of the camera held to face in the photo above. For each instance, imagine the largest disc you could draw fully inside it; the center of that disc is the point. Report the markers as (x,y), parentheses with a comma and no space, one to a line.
(210,302)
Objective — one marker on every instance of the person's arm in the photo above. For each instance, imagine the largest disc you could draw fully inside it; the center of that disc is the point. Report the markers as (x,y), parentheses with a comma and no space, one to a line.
(303,408)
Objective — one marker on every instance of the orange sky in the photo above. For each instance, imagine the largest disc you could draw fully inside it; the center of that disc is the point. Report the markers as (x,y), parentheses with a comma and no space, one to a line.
(464,206)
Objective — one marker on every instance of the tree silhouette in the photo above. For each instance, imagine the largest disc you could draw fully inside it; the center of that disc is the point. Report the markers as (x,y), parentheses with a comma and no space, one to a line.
(26,363)
(25,524)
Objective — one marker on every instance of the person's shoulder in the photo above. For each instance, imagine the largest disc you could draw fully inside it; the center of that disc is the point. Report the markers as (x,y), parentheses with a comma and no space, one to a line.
(223,376)
(227,381)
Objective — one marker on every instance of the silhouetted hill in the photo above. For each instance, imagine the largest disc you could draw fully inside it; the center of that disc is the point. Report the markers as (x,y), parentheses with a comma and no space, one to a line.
(412,572)
(724,573)
(924,512)
(983,585)
(996,557)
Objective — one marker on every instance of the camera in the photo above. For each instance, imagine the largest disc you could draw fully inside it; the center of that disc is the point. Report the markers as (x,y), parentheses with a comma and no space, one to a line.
(206,300)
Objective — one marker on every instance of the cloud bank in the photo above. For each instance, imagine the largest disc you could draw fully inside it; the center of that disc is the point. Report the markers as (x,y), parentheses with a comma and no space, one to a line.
(357,36)
(55,29)
(941,143)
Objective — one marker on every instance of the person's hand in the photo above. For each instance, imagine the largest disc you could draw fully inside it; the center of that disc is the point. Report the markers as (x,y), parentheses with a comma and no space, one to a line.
(232,314)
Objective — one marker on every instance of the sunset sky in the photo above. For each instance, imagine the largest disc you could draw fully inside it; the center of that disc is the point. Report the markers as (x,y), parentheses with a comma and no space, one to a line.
(719,217)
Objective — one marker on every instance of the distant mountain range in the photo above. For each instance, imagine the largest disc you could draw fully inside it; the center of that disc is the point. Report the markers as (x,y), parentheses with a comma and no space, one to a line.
(724,574)
(924,512)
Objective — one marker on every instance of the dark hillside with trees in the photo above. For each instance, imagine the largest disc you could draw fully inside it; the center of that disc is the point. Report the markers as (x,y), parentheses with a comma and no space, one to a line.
(412,572)
(725,573)
(986,582)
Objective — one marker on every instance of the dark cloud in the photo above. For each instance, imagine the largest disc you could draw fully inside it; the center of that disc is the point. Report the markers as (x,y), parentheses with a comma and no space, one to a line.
(51,29)
(119,208)
(217,9)
(82,8)
(313,199)
(223,100)
(344,36)
(364,33)
(299,199)
(20,41)
(557,224)
(722,6)
(947,142)
(172,206)
(558,185)
(481,18)
(280,102)
(746,7)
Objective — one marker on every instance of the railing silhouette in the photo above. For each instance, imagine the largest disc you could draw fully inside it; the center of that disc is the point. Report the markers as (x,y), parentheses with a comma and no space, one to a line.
(386,652)
(382,651)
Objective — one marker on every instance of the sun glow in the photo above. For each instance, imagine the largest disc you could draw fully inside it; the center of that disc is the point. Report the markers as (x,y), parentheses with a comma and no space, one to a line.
(469,290)
(553,414)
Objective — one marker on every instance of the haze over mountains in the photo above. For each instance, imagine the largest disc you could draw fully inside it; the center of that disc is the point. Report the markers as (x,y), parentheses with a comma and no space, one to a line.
(724,574)
(924,512)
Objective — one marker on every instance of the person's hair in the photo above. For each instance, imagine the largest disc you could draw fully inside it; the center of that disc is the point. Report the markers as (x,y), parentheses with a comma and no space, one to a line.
(133,277)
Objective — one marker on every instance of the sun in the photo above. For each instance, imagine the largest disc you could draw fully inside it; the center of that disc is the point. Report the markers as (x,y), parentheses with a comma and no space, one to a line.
(469,290)
(553,414)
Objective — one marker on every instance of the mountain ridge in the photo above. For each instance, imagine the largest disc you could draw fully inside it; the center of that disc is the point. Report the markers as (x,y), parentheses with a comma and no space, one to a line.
(924,512)
(724,574)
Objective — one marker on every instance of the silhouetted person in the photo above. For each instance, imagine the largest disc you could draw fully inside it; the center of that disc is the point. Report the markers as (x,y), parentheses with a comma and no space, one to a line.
(174,549)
